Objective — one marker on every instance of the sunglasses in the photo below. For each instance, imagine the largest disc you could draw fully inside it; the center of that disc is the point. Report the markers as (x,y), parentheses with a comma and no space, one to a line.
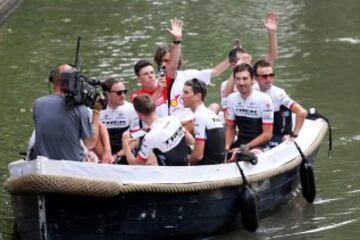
(271,75)
(120,92)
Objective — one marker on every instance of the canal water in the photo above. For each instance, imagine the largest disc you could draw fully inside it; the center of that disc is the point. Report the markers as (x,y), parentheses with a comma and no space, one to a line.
(319,53)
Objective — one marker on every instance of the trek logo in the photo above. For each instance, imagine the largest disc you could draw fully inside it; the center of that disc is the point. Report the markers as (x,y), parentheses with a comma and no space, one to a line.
(179,133)
(115,123)
(246,111)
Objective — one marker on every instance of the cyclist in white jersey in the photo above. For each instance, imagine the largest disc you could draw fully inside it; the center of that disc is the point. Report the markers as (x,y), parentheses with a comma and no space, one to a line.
(118,116)
(208,129)
(251,111)
(283,104)
(167,139)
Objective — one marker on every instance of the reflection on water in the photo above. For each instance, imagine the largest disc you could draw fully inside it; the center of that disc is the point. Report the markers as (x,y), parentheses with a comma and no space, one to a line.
(318,55)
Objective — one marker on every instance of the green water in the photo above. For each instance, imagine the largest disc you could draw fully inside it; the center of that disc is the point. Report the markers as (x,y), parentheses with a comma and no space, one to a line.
(319,52)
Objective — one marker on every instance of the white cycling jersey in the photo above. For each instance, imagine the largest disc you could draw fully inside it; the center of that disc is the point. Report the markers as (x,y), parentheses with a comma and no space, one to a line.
(209,128)
(166,137)
(250,114)
(119,120)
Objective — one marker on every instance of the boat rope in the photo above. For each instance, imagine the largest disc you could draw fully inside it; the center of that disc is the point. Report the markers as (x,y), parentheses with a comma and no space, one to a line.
(36,183)
(314,114)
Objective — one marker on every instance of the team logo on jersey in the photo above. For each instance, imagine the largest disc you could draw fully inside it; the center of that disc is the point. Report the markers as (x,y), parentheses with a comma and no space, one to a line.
(175,101)
(267,105)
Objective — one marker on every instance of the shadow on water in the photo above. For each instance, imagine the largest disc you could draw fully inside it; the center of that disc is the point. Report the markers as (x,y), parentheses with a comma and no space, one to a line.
(318,55)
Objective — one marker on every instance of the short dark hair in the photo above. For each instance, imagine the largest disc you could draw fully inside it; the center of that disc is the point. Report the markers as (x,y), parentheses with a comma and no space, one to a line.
(140,65)
(161,51)
(144,104)
(233,54)
(197,86)
(243,67)
(110,81)
(260,63)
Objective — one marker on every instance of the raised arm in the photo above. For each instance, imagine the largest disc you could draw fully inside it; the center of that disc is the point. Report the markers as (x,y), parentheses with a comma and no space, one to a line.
(270,23)
(176,34)
(220,68)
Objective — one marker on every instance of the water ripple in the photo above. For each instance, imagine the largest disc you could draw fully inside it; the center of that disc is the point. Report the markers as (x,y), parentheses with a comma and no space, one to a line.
(344,39)
(316,230)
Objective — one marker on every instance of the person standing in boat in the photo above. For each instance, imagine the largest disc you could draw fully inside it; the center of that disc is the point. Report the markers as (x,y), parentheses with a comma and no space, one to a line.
(145,74)
(238,55)
(251,111)
(209,132)
(284,106)
(163,57)
(118,117)
(60,126)
(167,138)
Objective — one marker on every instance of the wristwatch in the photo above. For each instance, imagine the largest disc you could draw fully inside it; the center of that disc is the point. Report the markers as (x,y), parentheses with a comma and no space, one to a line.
(292,134)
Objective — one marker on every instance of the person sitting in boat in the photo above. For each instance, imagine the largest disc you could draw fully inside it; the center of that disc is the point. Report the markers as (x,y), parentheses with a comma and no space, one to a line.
(251,111)
(118,117)
(284,106)
(239,55)
(209,132)
(163,57)
(167,138)
(59,126)
(145,74)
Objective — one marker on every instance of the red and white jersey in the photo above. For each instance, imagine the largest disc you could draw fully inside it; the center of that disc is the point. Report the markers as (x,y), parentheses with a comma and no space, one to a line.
(161,103)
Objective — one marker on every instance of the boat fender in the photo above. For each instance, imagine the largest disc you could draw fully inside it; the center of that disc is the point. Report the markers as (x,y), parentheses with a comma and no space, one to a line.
(307,181)
(249,210)
(307,178)
(248,204)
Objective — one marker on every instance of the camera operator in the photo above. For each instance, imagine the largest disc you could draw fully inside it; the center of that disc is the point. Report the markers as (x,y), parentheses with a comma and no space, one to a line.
(60,125)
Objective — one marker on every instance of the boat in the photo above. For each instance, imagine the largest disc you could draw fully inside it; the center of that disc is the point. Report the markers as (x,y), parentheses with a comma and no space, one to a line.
(76,200)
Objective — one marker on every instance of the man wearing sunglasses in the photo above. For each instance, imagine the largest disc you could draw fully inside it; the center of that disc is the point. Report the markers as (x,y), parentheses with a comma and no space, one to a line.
(118,117)
(283,104)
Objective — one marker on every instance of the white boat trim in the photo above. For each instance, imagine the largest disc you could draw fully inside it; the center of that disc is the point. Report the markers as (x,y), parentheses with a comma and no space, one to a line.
(125,174)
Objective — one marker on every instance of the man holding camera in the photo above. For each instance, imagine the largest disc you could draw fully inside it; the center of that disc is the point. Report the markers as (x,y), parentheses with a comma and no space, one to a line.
(60,125)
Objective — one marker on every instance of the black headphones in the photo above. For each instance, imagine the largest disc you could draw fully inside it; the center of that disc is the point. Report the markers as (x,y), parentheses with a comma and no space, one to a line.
(52,75)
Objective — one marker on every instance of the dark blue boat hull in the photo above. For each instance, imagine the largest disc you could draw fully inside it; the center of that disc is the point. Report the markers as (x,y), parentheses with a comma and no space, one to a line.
(146,215)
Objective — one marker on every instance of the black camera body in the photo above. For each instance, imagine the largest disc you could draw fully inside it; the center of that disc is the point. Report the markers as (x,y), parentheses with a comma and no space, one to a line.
(162,70)
(80,90)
